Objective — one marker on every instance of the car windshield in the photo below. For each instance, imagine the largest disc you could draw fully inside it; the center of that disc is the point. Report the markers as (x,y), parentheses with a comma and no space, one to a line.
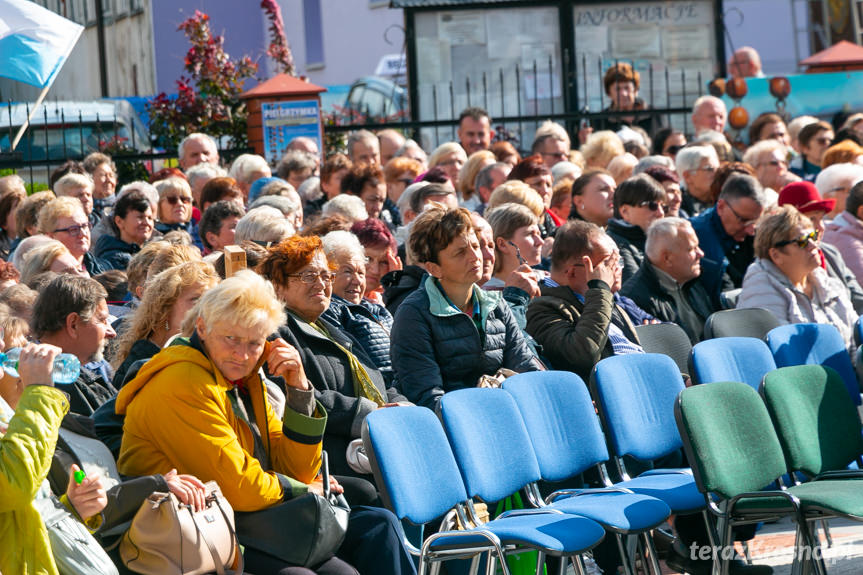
(59,142)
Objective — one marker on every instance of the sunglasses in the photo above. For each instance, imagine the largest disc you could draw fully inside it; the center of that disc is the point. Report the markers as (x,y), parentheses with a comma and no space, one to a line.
(653,205)
(177,199)
(802,241)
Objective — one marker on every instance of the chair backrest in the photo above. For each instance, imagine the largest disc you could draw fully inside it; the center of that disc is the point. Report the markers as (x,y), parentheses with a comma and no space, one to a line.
(666,338)
(489,441)
(728,438)
(412,463)
(743,359)
(814,343)
(858,332)
(745,322)
(818,427)
(561,421)
(635,394)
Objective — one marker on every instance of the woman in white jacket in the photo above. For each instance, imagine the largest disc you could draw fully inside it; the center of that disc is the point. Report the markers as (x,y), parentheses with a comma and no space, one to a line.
(788,278)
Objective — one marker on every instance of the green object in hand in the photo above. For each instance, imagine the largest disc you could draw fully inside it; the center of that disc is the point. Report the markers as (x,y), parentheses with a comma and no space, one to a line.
(79,476)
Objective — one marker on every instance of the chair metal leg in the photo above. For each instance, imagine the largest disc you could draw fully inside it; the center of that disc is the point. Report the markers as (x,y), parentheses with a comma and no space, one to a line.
(827,535)
(540,560)
(490,565)
(474,564)
(625,558)
(746,552)
(652,559)
(577,564)
(727,542)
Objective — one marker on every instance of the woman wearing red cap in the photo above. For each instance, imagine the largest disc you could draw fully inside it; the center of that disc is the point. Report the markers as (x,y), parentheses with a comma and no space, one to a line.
(805,197)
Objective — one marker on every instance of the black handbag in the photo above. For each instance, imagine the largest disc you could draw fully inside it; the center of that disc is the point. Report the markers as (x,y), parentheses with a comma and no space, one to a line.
(304,531)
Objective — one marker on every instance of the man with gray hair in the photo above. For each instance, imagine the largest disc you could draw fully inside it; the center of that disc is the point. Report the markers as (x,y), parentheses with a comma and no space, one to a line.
(487,179)
(197,149)
(552,143)
(296,167)
(363,148)
(666,284)
(725,235)
(709,113)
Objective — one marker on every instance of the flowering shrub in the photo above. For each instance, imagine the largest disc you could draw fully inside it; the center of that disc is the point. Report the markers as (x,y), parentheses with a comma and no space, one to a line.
(207,93)
(278,49)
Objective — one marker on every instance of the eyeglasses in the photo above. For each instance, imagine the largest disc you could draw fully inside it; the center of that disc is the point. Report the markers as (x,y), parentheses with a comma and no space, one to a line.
(802,241)
(76,230)
(743,221)
(177,199)
(312,277)
(521,260)
(653,205)
(710,169)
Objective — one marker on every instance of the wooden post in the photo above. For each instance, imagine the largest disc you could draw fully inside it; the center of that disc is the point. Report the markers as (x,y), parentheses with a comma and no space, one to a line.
(235,260)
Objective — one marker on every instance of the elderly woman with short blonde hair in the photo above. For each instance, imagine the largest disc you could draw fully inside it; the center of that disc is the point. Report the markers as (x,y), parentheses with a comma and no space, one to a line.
(787,279)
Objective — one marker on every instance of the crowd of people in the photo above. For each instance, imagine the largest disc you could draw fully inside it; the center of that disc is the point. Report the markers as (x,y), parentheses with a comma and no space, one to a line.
(381,276)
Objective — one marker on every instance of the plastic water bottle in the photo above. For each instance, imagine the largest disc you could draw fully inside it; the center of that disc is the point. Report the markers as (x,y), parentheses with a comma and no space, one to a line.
(66,366)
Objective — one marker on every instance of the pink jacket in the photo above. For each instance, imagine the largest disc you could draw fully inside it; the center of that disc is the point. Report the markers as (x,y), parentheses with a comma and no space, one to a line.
(846,233)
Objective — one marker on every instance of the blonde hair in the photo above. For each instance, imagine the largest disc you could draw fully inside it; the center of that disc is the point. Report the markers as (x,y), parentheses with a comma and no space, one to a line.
(444,150)
(243,300)
(175,255)
(467,175)
(172,184)
(62,207)
(40,258)
(516,192)
(159,297)
(505,220)
(601,147)
(778,226)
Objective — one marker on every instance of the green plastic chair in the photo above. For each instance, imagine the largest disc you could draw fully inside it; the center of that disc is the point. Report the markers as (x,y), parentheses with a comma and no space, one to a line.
(734,451)
(818,426)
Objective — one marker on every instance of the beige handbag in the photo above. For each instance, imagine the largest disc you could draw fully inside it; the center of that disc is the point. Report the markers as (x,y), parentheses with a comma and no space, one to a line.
(168,537)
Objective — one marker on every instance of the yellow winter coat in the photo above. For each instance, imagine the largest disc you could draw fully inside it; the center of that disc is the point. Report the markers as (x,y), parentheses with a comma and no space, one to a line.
(178,415)
(25,458)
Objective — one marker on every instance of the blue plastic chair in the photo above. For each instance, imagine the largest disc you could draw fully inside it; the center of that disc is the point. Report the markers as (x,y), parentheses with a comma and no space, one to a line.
(419,480)
(567,440)
(743,359)
(814,343)
(635,394)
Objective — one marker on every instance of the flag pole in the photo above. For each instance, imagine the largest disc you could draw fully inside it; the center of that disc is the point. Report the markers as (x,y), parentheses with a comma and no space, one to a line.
(30,117)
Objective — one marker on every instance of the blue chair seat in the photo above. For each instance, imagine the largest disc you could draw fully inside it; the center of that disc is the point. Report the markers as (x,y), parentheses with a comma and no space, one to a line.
(552,533)
(619,512)
(677,490)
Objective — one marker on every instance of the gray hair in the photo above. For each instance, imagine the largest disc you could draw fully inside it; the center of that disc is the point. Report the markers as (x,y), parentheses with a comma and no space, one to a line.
(282,203)
(181,149)
(445,149)
(72,181)
(404,202)
(740,186)
(484,178)
(549,130)
(351,207)
(563,169)
(661,233)
(294,161)
(146,188)
(361,136)
(310,190)
(829,177)
(247,164)
(762,147)
(650,161)
(690,158)
(27,244)
(411,145)
(707,99)
(205,171)
(264,224)
(339,242)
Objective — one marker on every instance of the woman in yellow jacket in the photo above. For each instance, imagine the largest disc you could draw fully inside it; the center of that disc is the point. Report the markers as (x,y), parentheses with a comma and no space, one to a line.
(27,443)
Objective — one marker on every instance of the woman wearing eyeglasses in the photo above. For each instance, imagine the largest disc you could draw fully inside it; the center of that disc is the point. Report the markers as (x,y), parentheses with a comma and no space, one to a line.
(638,201)
(345,378)
(787,279)
(175,208)
(65,220)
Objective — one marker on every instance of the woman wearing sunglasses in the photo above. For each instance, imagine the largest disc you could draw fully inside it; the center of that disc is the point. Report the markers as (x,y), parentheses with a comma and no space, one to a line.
(638,201)
(787,279)
(175,208)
